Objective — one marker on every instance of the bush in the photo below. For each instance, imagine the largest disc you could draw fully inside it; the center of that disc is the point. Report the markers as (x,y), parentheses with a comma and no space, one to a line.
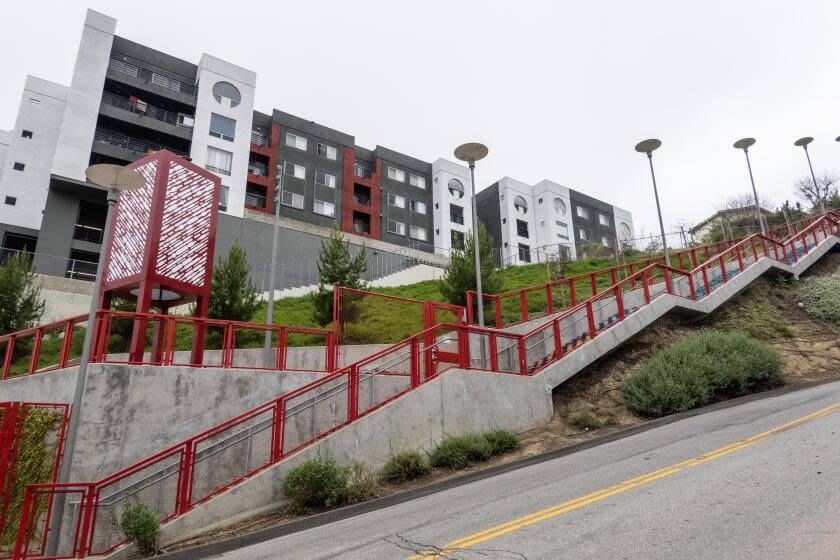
(361,482)
(316,483)
(140,524)
(21,305)
(821,297)
(404,465)
(700,369)
(588,420)
(501,441)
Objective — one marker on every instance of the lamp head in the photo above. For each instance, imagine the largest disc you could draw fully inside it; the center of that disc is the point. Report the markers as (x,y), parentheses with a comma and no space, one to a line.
(471,152)
(648,146)
(803,142)
(744,143)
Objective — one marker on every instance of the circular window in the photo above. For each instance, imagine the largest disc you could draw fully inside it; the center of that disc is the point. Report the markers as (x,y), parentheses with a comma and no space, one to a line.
(559,207)
(624,231)
(520,204)
(456,188)
(226,90)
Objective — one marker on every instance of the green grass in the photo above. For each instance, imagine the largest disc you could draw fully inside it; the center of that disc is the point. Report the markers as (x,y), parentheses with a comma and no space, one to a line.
(588,420)
(820,296)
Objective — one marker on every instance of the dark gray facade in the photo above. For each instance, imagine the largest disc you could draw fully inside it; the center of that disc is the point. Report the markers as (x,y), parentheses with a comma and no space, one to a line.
(411,194)
(489,213)
(596,231)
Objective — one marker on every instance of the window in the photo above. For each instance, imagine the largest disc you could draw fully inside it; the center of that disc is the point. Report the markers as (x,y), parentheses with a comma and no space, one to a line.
(226,90)
(417,206)
(521,228)
(562,230)
(396,174)
(524,253)
(520,204)
(396,200)
(396,227)
(325,179)
(582,234)
(327,151)
(504,220)
(539,201)
(11,200)
(222,127)
(218,161)
(34,101)
(26,134)
(324,208)
(456,188)
(603,219)
(416,181)
(456,238)
(542,223)
(223,198)
(292,199)
(456,214)
(19,166)
(582,212)
(296,141)
(418,233)
(295,170)
(559,207)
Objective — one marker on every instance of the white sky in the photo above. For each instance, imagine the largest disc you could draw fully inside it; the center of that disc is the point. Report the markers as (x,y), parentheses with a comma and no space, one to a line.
(560,90)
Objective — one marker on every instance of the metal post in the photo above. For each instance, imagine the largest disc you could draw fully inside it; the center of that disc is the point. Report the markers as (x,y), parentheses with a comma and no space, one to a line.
(659,212)
(269,318)
(476,250)
(814,177)
(755,193)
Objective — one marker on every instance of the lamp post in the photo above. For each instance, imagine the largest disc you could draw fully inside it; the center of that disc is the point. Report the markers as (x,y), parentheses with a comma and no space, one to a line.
(270,311)
(471,153)
(744,144)
(803,142)
(647,147)
(116,179)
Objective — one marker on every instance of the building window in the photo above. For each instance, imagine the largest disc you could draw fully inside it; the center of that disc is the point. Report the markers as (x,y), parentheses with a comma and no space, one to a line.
(296,141)
(26,134)
(456,214)
(292,199)
(582,212)
(559,207)
(504,220)
(222,127)
(324,208)
(396,174)
(34,101)
(418,233)
(218,161)
(542,223)
(223,198)
(18,166)
(396,200)
(456,238)
(295,170)
(456,188)
(520,204)
(327,151)
(603,219)
(522,228)
(396,227)
(539,201)
(524,253)
(562,230)
(582,234)
(416,181)
(324,179)
(417,206)
(226,90)
(11,200)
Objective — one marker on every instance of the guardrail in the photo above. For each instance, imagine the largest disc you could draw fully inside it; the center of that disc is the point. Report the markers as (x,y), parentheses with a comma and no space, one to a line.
(260,138)
(144,108)
(152,76)
(134,144)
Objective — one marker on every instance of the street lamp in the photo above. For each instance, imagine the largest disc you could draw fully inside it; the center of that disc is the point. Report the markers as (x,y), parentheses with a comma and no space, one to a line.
(116,179)
(647,147)
(471,153)
(803,142)
(744,144)
(270,312)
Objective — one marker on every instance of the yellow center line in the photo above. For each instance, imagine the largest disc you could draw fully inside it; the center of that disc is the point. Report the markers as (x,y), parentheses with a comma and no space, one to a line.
(553,511)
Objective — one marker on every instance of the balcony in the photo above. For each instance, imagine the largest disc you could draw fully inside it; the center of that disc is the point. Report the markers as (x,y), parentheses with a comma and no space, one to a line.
(260,138)
(257,168)
(362,199)
(128,143)
(361,223)
(87,233)
(363,169)
(139,107)
(152,77)
(456,218)
(254,199)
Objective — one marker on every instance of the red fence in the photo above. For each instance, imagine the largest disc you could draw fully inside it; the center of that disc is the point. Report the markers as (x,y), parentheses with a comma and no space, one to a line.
(193,471)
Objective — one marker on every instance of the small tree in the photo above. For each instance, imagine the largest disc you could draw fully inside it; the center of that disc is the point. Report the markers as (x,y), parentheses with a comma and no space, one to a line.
(459,275)
(826,189)
(21,305)
(233,295)
(336,267)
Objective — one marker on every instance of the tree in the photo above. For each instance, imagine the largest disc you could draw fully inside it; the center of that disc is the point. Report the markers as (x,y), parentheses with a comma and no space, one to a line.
(459,275)
(824,190)
(336,267)
(21,305)
(233,295)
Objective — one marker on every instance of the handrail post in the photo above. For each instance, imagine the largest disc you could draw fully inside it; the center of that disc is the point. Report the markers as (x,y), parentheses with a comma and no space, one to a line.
(523,304)
(283,347)
(619,302)
(754,250)
(804,243)
(558,343)
(523,359)
(415,361)
(65,345)
(470,313)
(645,287)
(353,394)
(691,287)
(669,286)
(85,542)
(740,259)
(572,293)
(277,431)
(494,352)
(7,359)
(705,280)
(463,348)
(185,477)
(590,316)
(723,269)
(36,350)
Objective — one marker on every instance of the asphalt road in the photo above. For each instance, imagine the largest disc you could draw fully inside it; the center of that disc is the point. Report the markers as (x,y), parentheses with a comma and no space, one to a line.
(758,480)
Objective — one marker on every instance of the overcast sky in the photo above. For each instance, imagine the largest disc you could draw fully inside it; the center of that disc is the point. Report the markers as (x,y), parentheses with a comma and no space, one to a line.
(560,90)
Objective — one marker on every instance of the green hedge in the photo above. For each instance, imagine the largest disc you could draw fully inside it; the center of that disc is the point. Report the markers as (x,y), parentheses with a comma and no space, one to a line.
(821,297)
(700,369)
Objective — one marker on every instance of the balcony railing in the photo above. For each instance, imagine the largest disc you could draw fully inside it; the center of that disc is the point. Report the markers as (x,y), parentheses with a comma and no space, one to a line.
(142,108)
(257,168)
(87,233)
(363,169)
(128,143)
(456,218)
(81,270)
(362,199)
(361,227)
(260,138)
(152,76)
(254,199)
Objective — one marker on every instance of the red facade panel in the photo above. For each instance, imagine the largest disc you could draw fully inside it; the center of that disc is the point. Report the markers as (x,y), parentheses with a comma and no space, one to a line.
(350,205)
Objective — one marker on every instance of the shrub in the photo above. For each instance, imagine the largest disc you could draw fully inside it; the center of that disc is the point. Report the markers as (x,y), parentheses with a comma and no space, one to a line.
(404,465)
(21,305)
(140,524)
(588,420)
(821,297)
(316,483)
(361,482)
(700,369)
(459,452)
(501,441)
(233,295)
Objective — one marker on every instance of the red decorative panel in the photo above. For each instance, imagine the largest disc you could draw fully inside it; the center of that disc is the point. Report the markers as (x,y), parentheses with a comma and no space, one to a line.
(131,228)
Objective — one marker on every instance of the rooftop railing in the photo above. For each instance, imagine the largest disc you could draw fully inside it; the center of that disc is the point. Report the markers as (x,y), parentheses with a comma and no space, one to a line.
(260,138)
(363,169)
(152,76)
